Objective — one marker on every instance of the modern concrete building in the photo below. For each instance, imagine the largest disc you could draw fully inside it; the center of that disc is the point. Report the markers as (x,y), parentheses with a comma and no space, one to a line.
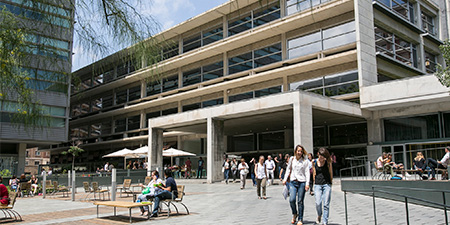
(49,37)
(253,77)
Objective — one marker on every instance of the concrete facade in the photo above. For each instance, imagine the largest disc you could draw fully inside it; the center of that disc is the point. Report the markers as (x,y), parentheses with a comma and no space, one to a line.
(255,79)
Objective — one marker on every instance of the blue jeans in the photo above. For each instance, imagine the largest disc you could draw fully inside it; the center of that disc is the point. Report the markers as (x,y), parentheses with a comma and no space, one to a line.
(199,172)
(161,196)
(253,178)
(296,196)
(227,174)
(323,195)
(143,198)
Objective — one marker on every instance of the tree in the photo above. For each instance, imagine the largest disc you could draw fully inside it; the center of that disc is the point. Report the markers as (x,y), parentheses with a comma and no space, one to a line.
(99,27)
(443,73)
(75,151)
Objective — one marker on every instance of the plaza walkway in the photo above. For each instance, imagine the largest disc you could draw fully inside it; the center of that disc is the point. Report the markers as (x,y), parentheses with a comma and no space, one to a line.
(220,203)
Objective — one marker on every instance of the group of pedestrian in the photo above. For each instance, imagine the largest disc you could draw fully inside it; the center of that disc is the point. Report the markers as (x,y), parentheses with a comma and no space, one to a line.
(300,170)
(420,164)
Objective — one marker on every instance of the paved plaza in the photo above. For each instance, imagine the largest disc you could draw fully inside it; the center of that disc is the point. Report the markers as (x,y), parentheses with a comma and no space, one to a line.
(221,203)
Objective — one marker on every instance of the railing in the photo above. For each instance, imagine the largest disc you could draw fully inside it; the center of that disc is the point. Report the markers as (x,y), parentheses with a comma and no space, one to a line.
(358,167)
(406,197)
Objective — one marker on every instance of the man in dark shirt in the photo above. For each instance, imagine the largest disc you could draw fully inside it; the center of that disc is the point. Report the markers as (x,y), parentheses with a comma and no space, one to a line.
(170,191)
(200,167)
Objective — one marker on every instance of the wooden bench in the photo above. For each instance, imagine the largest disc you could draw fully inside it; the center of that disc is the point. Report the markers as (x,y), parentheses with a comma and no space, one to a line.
(122,204)
(8,210)
(177,199)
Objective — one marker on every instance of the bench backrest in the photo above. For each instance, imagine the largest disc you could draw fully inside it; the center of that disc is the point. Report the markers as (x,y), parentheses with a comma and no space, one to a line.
(48,183)
(12,197)
(147,180)
(95,186)
(24,186)
(86,186)
(55,184)
(127,183)
(180,189)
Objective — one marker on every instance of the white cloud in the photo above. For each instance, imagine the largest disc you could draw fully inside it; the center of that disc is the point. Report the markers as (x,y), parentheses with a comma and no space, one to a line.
(171,12)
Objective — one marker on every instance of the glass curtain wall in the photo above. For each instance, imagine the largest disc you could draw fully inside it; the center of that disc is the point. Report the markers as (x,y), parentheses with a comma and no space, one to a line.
(331,85)
(255,58)
(294,6)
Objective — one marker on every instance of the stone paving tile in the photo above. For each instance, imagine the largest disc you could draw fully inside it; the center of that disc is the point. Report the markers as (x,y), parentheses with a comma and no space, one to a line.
(219,203)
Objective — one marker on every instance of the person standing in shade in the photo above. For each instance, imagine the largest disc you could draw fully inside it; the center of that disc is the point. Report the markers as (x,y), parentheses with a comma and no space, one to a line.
(187,168)
(261,178)
(200,168)
(106,167)
(334,160)
(298,173)
(284,166)
(311,170)
(270,166)
(243,170)
(226,170)
(234,169)
(323,178)
(252,171)
(279,162)
(169,190)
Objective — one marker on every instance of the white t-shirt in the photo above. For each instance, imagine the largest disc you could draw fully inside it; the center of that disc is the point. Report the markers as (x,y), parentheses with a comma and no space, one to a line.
(446,159)
(270,165)
(242,168)
(260,171)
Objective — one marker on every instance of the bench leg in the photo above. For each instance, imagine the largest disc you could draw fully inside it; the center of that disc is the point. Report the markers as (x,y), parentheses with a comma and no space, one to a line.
(130,215)
(97,211)
(114,211)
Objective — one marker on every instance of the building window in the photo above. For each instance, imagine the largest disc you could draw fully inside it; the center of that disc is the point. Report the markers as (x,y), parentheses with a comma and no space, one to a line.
(120,125)
(212,102)
(203,73)
(191,107)
(203,38)
(322,40)
(170,50)
(27,153)
(428,23)
(411,128)
(332,85)
(293,6)
(255,58)
(403,8)
(134,122)
(265,14)
(271,140)
(128,95)
(254,94)
(170,83)
(37,153)
(348,134)
(395,47)
(36,163)
(241,143)
(430,62)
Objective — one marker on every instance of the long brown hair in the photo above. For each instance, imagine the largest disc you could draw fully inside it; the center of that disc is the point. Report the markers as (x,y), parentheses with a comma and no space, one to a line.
(304,153)
(325,153)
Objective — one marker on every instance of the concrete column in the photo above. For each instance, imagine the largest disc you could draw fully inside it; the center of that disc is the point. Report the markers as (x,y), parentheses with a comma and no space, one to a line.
(21,149)
(225,96)
(375,135)
(180,78)
(283,8)
(225,26)
(143,88)
(155,146)
(225,63)
(285,84)
(303,123)
(365,43)
(421,55)
(284,54)
(215,149)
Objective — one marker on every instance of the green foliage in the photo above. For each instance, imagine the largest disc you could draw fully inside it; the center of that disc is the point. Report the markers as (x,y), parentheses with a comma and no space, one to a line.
(5,173)
(443,74)
(73,150)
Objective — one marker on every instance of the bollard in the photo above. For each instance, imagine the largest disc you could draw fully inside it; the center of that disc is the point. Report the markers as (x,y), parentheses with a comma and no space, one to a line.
(44,190)
(113,184)
(69,179)
(128,173)
(74,187)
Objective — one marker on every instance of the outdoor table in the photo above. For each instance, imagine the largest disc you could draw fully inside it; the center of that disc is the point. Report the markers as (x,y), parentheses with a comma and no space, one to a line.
(122,204)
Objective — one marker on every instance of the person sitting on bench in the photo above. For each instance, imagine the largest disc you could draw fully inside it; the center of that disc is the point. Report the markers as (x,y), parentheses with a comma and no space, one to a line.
(169,191)
(420,164)
(433,164)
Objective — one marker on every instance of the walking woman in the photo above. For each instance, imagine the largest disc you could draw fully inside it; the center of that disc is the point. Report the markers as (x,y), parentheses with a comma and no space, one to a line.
(323,178)
(297,172)
(243,170)
(261,178)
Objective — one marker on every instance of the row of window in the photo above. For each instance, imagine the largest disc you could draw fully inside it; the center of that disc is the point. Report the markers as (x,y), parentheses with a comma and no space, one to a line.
(256,58)
(417,127)
(8,106)
(322,40)
(332,85)
(7,117)
(44,7)
(41,40)
(395,47)
(37,16)
(405,9)
(294,6)
(44,75)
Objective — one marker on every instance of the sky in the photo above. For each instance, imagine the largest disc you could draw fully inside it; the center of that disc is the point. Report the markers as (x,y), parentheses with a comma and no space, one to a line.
(168,13)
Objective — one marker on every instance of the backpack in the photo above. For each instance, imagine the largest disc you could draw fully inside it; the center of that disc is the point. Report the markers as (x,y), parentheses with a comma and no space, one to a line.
(396,178)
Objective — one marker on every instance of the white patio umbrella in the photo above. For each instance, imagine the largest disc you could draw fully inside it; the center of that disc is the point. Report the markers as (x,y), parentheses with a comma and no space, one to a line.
(171,152)
(142,151)
(121,153)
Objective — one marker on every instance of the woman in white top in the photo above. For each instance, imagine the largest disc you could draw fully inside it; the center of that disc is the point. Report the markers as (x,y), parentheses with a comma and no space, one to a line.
(243,170)
(298,172)
(261,175)
(153,190)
